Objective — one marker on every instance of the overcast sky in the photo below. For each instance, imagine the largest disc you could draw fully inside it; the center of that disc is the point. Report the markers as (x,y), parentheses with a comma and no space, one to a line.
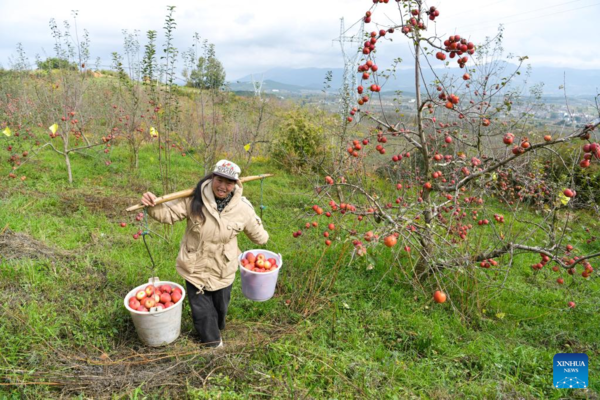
(252,36)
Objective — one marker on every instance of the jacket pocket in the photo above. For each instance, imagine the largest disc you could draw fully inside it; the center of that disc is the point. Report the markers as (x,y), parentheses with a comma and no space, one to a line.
(234,229)
(187,260)
(192,238)
(231,262)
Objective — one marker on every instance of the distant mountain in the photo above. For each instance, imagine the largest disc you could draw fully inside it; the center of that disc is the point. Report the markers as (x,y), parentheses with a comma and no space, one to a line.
(578,82)
(268,86)
(307,78)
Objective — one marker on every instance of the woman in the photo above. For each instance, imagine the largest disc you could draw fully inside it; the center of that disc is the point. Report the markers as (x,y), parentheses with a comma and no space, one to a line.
(216,213)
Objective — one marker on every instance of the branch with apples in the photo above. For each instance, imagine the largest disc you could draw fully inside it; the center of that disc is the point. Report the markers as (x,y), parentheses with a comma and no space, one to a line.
(468,149)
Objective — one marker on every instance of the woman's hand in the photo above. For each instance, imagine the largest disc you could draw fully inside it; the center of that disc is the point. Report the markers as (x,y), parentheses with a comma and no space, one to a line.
(148,199)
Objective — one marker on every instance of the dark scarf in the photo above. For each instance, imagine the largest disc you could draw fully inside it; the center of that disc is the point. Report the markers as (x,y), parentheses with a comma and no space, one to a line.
(222,203)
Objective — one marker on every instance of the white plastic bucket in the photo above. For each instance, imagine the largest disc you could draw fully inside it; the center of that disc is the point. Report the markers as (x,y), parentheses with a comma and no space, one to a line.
(161,327)
(259,286)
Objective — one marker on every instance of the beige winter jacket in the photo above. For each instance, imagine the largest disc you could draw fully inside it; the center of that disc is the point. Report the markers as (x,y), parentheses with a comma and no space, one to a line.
(208,252)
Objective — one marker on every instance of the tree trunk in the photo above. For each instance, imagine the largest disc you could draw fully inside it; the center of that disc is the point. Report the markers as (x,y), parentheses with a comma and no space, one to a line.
(423,266)
(68,163)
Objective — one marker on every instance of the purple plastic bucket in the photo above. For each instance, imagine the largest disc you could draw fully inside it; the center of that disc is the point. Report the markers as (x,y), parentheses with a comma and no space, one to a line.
(259,286)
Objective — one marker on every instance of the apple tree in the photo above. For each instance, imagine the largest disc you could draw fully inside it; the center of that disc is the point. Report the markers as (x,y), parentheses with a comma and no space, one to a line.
(465,163)
(59,101)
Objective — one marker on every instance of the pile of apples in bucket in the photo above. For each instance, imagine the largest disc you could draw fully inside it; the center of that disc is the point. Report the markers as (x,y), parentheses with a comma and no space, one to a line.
(160,298)
(259,263)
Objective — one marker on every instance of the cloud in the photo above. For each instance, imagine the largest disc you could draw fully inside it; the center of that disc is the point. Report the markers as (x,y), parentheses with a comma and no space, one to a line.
(244,19)
(252,36)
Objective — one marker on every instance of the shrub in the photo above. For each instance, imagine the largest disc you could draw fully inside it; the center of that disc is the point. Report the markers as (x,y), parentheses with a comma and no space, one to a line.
(299,142)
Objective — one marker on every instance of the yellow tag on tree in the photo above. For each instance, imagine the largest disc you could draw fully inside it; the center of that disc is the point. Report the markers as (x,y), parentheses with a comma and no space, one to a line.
(153,132)
(7,131)
(247,147)
(53,128)
(564,199)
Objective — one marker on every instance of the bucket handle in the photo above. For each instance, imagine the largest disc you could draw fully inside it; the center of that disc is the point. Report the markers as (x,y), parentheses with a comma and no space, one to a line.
(152,281)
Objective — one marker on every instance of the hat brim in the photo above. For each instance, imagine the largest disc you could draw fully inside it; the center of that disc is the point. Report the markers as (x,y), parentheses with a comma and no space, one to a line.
(226,176)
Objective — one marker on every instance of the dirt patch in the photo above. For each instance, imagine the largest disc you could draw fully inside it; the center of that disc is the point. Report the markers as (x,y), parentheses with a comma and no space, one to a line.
(17,245)
(111,206)
(166,371)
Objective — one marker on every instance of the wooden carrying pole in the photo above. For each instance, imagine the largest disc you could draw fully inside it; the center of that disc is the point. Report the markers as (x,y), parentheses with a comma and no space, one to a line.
(189,192)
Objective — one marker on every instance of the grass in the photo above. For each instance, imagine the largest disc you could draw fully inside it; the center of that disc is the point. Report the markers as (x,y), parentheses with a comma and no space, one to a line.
(335,329)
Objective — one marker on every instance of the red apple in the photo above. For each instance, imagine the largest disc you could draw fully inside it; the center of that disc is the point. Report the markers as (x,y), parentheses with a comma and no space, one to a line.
(166,288)
(439,296)
(134,303)
(148,302)
(165,298)
(175,296)
(150,290)
(390,241)
(140,295)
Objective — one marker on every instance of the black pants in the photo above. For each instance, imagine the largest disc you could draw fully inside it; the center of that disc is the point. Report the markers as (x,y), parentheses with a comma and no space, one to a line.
(209,310)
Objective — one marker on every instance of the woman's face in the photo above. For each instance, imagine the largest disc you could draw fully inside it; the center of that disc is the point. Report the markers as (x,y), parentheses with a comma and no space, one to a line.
(222,186)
